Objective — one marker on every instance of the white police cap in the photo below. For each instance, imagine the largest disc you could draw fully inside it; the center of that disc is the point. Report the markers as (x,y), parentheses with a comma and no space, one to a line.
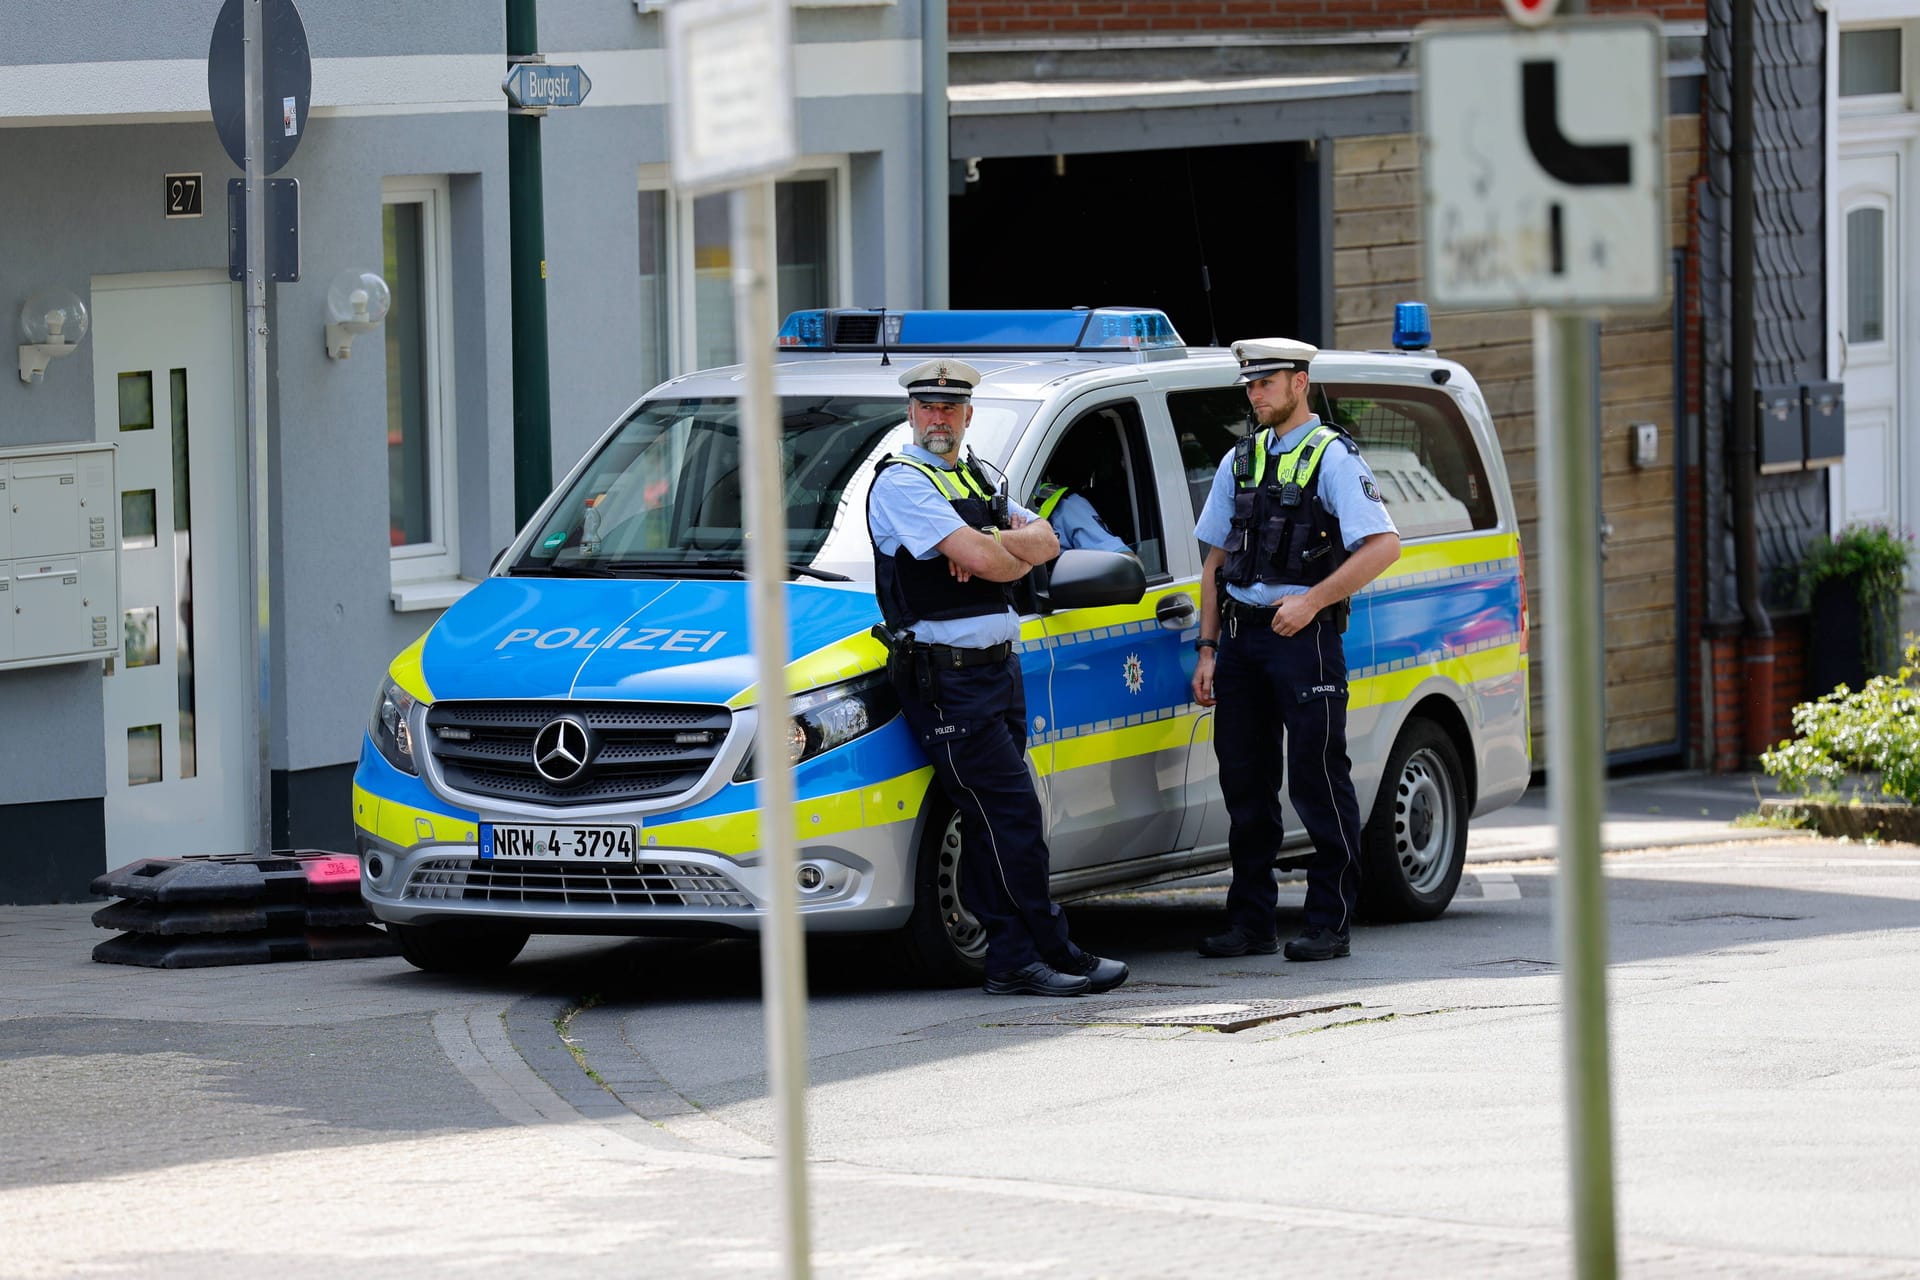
(948,380)
(1262,357)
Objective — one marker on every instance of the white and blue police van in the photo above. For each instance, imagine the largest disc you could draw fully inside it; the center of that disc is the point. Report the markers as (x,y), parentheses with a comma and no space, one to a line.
(569,748)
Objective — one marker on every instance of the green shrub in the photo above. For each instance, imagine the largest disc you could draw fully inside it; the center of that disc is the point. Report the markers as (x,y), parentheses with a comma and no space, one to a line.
(1870,730)
(1872,556)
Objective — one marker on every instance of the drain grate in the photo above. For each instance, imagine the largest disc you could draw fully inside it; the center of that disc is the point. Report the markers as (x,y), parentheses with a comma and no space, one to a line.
(1222,1015)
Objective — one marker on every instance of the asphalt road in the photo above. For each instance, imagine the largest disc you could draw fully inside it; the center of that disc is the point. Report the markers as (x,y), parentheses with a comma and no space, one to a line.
(600,1108)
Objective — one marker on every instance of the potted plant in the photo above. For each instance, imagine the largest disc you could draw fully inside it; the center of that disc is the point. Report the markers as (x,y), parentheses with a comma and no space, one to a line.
(1853,582)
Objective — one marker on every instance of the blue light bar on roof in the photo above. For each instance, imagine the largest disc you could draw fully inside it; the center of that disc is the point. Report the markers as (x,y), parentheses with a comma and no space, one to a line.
(1077,329)
(1412,331)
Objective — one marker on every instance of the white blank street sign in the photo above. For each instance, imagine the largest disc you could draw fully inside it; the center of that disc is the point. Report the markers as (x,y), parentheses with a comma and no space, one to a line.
(730,69)
(1543,165)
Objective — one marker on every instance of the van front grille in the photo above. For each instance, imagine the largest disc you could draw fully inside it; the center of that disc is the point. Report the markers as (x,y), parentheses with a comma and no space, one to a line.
(640,751)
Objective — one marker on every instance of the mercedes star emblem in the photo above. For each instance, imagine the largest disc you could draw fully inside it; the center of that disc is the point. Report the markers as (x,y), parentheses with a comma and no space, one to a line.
(561,750)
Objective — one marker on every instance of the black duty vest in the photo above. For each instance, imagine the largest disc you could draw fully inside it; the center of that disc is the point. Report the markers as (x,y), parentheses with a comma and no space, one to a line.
(1282,533)
(912,590)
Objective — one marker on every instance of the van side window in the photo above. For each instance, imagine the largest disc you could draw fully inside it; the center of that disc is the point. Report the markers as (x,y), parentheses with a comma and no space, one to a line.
(1207,423)
(1103,458)
(1422,454)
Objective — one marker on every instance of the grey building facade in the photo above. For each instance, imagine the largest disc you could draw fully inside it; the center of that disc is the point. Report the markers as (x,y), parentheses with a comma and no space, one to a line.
(391,469)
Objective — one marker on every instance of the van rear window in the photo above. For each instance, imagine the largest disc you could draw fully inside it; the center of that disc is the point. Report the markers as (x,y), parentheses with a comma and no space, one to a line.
(1422,453)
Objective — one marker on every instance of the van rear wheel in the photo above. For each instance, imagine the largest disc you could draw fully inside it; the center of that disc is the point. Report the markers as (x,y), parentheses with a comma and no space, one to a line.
(944,944)
(1415,844)
(457,948)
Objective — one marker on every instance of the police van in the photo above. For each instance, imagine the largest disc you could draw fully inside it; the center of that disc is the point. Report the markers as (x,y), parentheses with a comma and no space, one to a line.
(569,748)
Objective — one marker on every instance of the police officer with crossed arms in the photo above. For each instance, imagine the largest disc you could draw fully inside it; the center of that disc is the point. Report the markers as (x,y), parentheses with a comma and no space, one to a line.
(943,565)
(1294,526)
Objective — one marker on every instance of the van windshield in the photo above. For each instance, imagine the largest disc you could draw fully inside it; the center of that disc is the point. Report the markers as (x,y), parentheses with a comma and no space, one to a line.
(663,496)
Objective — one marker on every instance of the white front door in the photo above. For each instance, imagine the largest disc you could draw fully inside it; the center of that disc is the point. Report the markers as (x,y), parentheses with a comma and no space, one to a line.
(1872,327)
(166,391)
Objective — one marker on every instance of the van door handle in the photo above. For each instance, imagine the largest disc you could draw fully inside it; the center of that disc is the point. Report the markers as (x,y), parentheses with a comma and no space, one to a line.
(1176,612)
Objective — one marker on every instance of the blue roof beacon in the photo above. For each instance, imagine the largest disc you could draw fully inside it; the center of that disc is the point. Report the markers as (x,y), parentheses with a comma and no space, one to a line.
(1411,329)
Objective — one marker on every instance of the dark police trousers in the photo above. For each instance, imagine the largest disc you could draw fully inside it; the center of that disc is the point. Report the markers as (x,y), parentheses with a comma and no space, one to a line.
(1276,694)
(975,734)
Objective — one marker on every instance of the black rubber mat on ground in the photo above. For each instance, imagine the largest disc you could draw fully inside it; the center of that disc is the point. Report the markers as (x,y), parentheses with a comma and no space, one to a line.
(278,877)
(206,950)
(336,911)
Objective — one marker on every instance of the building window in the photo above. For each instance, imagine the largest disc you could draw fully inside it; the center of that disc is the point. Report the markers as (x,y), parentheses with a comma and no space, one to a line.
(686,264)
(1866,237)
(421,490)
(1870,62)
(656,285)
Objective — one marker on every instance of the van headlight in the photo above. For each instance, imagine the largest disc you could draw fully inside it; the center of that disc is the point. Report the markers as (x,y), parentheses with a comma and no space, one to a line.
(833,716)
(391,731)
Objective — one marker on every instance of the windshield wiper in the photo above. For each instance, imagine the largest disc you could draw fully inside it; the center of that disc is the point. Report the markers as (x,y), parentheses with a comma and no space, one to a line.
(557,571)
(799,570)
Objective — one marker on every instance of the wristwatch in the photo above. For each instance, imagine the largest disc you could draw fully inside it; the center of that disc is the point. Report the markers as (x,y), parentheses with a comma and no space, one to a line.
(1204,643)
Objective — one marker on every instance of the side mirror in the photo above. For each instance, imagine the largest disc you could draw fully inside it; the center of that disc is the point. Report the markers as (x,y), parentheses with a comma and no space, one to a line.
(1090,579)
(498,556)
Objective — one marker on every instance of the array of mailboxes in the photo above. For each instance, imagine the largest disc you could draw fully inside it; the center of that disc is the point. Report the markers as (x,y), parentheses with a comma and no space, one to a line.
(59,548)
(1801,425)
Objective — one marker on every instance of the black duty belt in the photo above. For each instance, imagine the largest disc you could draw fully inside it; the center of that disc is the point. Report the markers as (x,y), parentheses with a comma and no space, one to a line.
(1262,614)
(946,657)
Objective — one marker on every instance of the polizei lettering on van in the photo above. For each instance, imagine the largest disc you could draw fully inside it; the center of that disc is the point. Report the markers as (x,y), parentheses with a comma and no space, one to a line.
(664,639)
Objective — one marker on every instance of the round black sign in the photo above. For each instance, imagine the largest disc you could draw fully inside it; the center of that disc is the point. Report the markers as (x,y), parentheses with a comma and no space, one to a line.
(286,89)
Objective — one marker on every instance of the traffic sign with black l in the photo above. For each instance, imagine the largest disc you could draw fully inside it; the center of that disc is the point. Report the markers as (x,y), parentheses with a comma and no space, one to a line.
(1543,164)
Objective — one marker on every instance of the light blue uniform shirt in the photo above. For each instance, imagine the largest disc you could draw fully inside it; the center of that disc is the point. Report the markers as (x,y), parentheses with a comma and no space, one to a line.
(1079,527)
(1346,488)
(906,509)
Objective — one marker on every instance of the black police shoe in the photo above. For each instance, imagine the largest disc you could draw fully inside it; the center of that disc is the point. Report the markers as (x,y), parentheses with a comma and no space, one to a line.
(1235,943)
(1103,975)
(1318,944)
(1038,979)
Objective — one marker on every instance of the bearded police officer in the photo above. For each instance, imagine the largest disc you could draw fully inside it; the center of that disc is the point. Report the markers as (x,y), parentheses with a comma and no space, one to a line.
(943,562)
(1294,526)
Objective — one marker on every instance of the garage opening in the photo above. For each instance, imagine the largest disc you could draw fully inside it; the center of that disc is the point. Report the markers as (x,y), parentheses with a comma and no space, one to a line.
(1149,228)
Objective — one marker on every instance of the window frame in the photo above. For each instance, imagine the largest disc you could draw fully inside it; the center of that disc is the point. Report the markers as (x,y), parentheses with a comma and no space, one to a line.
(1136,462)
(439,557)
(1875,103)
(682,283)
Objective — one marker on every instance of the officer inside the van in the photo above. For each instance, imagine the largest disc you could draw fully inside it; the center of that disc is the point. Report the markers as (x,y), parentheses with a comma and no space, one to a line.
(1075,520)
(1294,526)
(943,565)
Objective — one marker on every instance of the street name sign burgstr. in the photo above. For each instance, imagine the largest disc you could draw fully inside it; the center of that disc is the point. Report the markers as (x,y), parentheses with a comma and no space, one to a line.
(1543,164)
(537,86)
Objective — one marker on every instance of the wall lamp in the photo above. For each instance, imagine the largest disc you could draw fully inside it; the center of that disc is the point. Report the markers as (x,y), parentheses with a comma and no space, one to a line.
(53,321)
(357,303)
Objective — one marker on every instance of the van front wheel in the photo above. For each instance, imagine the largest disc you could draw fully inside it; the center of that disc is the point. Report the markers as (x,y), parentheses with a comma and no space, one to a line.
(455,948)
(944,944)
(1415,844)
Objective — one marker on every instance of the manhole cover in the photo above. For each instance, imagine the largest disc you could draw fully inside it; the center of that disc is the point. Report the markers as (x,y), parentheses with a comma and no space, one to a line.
(1223,1015)
(1512,962)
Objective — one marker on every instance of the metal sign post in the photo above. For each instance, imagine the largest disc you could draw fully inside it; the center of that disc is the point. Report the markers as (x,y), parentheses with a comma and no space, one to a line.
(730,68)
(245,71)
(1543,174)
(259,483)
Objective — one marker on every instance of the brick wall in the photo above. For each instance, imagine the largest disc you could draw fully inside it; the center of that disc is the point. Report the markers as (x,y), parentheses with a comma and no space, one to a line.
(1014,18)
